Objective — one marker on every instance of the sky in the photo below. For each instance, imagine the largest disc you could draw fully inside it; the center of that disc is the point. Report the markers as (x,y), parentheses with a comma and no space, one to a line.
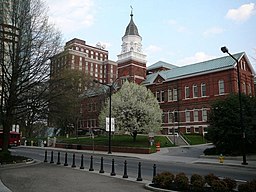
(178,32)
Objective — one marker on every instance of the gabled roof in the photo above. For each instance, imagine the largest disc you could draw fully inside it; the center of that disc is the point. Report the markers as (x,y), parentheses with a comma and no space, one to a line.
(218,64)
(95,91)
(160,64)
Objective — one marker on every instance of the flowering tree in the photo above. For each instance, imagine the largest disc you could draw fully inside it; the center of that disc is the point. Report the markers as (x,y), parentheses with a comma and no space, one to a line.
(135,109)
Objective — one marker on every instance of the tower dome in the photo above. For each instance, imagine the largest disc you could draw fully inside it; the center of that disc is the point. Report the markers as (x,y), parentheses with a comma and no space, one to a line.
(131,29)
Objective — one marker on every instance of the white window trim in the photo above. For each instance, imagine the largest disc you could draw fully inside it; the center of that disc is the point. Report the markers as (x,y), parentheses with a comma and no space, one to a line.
(203,84)
(195,86)
(195,110)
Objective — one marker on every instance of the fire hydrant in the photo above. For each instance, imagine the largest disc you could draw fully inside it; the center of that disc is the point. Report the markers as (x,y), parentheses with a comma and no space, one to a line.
(221,158)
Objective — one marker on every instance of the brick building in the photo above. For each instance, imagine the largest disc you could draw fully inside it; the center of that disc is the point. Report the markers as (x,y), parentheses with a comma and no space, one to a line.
(184,93)
(93,61)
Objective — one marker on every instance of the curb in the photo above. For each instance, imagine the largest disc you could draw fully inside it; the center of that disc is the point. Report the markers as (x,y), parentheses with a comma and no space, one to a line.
(3,188)
(147,186)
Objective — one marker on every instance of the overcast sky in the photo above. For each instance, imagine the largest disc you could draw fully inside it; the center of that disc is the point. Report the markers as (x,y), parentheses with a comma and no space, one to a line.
(179,32)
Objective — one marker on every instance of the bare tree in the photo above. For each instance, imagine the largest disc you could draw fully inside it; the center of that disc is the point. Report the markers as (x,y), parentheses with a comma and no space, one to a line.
(28,41)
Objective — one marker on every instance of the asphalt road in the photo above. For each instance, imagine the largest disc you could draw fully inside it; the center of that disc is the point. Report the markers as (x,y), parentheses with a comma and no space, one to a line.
(238,173)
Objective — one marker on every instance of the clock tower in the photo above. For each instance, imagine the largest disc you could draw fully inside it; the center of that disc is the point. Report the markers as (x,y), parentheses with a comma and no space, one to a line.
(132,62)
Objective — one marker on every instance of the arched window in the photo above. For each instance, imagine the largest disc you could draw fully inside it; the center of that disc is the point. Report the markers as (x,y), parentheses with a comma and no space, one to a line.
(203,90)
(249,89)
(195,91)
(221,87)
(244,87)
(187,92)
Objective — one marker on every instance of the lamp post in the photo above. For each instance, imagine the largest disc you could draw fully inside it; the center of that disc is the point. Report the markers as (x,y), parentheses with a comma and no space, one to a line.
(225,50)
(109,123)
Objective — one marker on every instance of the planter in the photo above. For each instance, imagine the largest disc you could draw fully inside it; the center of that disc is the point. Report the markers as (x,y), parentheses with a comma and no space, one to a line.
(153,187)
(105,148)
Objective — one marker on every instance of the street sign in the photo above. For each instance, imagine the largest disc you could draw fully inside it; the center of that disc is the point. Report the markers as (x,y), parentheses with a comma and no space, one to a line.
(112,124)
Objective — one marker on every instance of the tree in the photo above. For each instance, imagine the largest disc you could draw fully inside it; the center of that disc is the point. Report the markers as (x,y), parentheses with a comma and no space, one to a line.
(28,41)
(225,130)
(67,89)
(135,109)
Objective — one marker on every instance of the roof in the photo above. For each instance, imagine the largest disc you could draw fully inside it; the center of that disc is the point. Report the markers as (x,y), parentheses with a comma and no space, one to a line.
(95,92)
(222,63)
(160,64)
(131,29)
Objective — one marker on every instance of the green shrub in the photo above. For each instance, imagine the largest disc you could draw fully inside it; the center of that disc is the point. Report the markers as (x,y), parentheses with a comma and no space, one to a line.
(211,151)
(219,186)
(245,187)
(197,183)
(231,183)
(210,178)
(164,180)
(253,184)
(248,186)
(181,181)
(196,177)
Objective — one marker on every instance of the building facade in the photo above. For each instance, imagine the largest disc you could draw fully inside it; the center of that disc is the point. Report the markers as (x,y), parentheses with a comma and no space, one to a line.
(92,60)
(185,94)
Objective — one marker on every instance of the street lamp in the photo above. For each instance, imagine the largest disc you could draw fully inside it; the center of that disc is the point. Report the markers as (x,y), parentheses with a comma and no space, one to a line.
(109,123)
(225,50)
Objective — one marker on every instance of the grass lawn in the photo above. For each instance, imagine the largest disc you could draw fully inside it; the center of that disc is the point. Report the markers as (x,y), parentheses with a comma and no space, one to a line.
(118,140)
(195,139)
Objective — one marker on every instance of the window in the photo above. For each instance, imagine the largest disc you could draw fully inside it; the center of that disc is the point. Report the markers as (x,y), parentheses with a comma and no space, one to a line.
(249,89)
(221,87)
(163,117)
(203,90)
(196,129)
(188,130)
(162,96)
(158,96)
(244,88)
(204,115)
(187,92)
(170,95)
(170,117)
(175,95)
(187,116)
(195,91)
(195,115)
(176,116)
(86,66)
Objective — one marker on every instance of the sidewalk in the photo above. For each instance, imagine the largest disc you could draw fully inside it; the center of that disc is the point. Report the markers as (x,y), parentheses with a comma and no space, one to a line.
(44,177)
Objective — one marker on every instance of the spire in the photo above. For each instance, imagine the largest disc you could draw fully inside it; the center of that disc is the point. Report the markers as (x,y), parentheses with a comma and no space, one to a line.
(131,29)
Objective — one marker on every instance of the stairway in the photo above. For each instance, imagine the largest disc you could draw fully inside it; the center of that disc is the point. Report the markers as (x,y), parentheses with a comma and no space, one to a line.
(178,140)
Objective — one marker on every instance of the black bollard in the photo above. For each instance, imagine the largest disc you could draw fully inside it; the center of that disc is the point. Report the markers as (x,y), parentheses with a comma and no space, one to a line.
(113,168)
(154,172)
(66,159)
(125,170)
(52,157)
(74,159)
(91,164)
(45,156)
(101,165)
(82,162)
(58,161)
(139,173)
